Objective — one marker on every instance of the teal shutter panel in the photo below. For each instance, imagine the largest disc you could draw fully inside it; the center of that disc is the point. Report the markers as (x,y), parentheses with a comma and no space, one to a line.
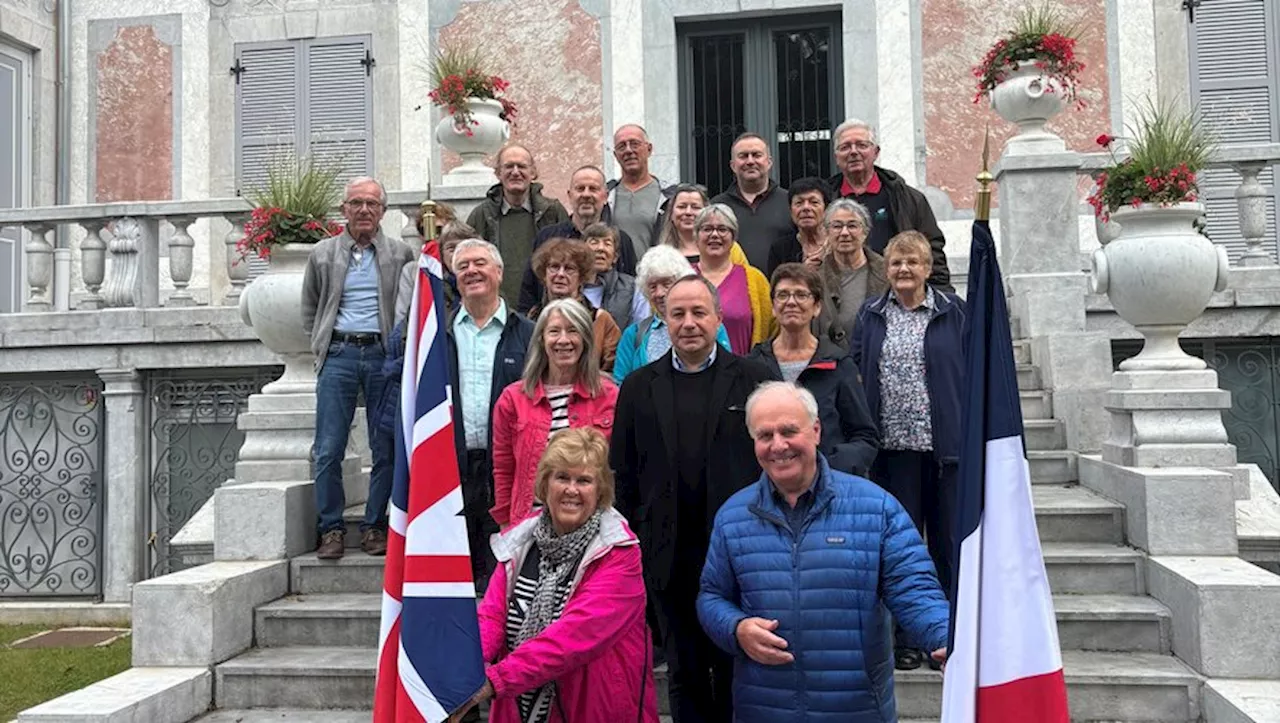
(1234,85)
(339,108)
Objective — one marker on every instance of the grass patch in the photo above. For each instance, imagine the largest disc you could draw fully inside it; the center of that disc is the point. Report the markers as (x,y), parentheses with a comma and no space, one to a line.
(38,674)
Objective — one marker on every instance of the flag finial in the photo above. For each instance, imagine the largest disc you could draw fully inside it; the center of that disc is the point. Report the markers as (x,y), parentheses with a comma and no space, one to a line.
(982,205)
(428,220)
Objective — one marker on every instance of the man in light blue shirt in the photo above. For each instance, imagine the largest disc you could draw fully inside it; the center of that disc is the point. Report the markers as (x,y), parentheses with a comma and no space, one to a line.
(487,346)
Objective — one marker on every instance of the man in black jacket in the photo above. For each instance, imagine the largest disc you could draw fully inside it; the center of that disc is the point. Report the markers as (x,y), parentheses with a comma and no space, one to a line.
(760,204)
(487,346)
(894,206)
(513,212)
(680,449)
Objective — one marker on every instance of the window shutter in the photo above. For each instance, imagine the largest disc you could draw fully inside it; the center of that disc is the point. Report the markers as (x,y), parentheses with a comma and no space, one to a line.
(267,105)
(1233,82)
(339,108)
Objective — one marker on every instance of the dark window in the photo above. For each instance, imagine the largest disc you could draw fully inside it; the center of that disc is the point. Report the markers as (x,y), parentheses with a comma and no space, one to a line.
(779,77)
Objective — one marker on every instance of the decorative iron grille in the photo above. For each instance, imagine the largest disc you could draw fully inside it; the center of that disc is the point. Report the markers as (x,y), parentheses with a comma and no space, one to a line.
(194,443)
(51,484)
(804,125)
(1250,370)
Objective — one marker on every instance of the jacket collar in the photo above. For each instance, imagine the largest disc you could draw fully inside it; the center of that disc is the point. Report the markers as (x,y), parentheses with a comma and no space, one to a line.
(824,357)
(579,390)
(941,300)
(734,191)
(348,242)
(614,532)
(766,503)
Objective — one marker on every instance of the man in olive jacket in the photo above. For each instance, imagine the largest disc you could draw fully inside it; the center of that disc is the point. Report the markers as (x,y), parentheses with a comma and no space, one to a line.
(348,310)
(513,212)
(894,206)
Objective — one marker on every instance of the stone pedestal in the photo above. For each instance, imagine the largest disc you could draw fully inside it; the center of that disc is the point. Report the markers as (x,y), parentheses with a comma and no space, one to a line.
(1171,419)
(123,558)
(279,432)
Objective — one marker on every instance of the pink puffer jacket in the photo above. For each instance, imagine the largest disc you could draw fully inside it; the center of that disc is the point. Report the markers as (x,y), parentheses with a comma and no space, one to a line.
(520,429)
(598,651)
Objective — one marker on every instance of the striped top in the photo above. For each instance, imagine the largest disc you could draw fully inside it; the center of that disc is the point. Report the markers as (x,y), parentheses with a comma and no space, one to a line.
(559,399)
(534,705)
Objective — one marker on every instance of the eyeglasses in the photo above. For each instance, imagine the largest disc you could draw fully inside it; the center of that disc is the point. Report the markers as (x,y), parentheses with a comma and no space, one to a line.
(359,203)
(515,166)
(632,144)
(839,226)
(785,296)
(715,231)
(860,145)
(562,268)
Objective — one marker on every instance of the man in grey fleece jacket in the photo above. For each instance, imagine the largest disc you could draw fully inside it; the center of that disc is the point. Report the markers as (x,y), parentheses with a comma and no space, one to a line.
(348,309)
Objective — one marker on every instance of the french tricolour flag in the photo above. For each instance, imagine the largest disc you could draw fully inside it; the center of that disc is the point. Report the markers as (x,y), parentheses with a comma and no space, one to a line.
(1005,665)
(429,659)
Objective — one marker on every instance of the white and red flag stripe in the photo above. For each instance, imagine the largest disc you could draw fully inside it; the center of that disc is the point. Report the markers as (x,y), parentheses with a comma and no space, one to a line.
(429,659)
(1005,665)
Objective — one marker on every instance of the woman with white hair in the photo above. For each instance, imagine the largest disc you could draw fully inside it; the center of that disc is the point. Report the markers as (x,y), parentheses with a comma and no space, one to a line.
(562,387)
(744,290)
(647,339)
(851,272)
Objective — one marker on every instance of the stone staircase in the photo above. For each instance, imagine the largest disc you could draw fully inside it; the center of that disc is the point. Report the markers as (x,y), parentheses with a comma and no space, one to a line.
(315,648)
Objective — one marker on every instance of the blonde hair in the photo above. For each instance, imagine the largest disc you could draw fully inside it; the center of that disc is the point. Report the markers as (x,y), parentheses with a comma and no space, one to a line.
(908,241)
(572,448)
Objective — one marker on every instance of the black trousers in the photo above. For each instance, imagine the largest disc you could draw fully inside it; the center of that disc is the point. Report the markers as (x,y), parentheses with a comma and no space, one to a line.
(926,488)
(477,498)
(699,674)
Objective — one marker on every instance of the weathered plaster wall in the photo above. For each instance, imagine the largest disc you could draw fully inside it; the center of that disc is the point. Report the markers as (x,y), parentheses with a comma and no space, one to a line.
(955,35)
(550,52)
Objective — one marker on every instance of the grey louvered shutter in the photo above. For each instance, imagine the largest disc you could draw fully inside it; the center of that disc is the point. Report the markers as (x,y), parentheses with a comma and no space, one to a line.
(339,107)
(1234,83)
(268,101)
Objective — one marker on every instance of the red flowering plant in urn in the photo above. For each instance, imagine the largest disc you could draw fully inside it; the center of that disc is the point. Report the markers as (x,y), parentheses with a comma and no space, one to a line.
(1164,153)
(1042,40)
(459,74)
(292,207)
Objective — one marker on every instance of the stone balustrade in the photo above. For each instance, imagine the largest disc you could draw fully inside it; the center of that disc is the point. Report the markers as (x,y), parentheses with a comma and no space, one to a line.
(128,234)
(1247,160)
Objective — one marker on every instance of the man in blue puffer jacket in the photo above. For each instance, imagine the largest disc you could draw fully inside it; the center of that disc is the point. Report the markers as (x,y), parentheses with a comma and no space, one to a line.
(801,568)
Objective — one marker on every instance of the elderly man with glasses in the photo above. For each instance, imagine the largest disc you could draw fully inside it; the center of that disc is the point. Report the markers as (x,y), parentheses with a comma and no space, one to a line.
(893,205)
(348,309)
(638,200)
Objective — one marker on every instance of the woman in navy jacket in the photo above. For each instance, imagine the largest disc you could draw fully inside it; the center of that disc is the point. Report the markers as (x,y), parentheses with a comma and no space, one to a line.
(908,345)
(849,437)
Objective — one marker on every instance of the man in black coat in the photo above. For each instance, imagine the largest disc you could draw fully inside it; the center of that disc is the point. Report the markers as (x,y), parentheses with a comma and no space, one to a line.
(893,205)
(680,449)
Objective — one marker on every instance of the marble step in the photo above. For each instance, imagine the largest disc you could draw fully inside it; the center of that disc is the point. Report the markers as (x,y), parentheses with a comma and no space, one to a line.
(1087,568)
(1101,686)
(1071,513)
(1036,405)
(1052,466)
(1022,351)
(1044,434)
(1028,378)
(1085,622)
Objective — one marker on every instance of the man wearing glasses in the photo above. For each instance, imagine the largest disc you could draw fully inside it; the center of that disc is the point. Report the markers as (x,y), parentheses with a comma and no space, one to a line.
(348,309)
(514,211)
(637,200)
(894,206)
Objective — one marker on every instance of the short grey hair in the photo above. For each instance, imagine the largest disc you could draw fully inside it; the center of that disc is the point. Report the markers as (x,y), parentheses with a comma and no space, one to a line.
(537,362)
(850,205)
(799,393)
(711,288)
(854,123)
(360,181)
(661,262)
(717,209)
(479,243)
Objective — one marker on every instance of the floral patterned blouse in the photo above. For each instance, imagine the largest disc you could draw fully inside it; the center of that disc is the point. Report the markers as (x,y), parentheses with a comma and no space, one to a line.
(905,421)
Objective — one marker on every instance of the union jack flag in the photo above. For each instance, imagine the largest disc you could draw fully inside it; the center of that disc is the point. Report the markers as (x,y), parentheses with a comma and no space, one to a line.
(429,659)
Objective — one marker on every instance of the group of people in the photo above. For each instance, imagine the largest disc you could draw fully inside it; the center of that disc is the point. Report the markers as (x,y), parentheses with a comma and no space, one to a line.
(727,425)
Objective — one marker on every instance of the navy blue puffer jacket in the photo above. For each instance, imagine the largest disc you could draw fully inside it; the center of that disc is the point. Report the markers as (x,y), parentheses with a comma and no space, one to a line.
(857,553)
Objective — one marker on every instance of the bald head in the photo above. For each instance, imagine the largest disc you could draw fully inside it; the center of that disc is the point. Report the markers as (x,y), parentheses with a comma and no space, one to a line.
(516,170)
(631,148)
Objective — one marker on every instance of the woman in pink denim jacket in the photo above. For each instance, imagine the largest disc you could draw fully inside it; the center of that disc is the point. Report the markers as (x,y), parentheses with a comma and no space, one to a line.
(562,388)
(562,625)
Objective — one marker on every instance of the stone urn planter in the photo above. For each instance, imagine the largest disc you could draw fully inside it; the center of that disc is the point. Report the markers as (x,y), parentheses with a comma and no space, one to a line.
(1159,274)
(1029,98)
(272,305)
(473,140)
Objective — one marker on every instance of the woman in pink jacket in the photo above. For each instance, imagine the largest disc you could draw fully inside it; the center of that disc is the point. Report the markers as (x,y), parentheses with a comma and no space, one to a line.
(562,624)
(562,388)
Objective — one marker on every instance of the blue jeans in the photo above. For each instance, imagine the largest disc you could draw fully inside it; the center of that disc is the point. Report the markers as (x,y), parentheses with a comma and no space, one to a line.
(347,370)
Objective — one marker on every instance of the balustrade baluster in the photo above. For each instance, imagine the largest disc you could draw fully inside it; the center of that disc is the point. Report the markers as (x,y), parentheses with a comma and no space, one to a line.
(121,287)
(181,251)
(1251,209)
(93,263)
(409,234)
(237,267)
(39,257)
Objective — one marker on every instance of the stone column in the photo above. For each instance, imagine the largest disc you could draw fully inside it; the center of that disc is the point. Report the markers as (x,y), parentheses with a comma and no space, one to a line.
(124,551)
(1040,256)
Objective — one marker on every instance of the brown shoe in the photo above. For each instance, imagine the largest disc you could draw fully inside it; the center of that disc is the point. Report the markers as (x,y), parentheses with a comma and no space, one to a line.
(332,546)
(374,542)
